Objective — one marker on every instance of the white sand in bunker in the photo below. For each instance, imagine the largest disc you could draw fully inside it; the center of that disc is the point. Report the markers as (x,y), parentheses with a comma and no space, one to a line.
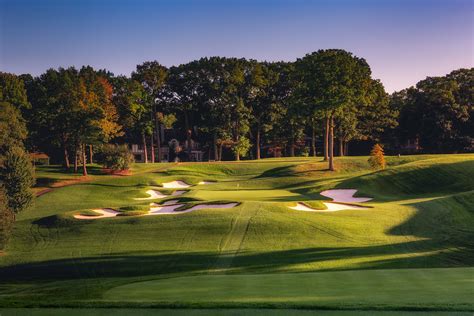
(169,207)
(106,212)
(331,207)
(175,185)
(206,182)
(344,196)
(170,202)
(340,196)
(153,194)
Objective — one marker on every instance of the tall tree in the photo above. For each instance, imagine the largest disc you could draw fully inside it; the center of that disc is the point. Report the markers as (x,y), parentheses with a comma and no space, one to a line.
(332,80)
(16,171)
(152,75)
(132,103)
(438,112)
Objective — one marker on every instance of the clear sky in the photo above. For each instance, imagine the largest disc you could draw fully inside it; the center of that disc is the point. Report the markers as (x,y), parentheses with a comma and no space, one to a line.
(403,40)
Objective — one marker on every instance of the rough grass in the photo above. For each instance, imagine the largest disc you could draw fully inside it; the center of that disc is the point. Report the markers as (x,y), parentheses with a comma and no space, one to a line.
(421,218)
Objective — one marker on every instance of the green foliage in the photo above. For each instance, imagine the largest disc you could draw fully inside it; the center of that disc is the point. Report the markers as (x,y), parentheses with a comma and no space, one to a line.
(377,158)
(242,147)
(167,120)
(438,112)
(6,219)
(12,127)
(116,157)
(12,90)
(17,176)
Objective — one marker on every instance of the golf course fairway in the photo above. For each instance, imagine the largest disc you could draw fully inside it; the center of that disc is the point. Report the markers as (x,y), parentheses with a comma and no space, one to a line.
(410,248)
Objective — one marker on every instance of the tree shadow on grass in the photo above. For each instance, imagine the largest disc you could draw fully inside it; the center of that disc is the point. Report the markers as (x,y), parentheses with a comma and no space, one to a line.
(142,264)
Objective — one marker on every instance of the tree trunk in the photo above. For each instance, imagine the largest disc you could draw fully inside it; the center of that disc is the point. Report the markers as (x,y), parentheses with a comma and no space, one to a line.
(75,158)
(341,147)
(237,154)
(84,167)
(158,137)
(331,144)
(90,154)
(145,151)
(152,145)
(220,152)
(292,147)
(216,152)
(257,141)
(188,134)
(326,139)
(158,141)
(313,141)
(66,157)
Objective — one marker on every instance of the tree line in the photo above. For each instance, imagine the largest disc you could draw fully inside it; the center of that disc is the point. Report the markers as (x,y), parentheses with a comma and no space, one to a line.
(238,106)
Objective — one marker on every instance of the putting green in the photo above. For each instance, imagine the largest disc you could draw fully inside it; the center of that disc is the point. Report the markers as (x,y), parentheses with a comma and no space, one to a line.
(389,288)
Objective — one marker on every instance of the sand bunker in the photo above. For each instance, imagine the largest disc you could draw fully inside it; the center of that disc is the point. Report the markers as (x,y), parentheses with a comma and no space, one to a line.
(331,207)
(340,196)
(170,202)
(344,196)
(175,185)
(153,194)
(106,212)
(178,193)
(206,182)
(169,207)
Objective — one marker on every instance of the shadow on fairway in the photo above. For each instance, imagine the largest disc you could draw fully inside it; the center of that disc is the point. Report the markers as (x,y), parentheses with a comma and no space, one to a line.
(132,264)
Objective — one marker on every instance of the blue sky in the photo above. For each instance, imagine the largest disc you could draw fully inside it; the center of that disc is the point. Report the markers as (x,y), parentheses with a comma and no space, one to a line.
(403,41)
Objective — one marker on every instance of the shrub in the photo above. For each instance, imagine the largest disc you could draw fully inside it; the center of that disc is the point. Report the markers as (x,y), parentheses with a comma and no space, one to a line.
(377,158)
(116,157)
(16,174)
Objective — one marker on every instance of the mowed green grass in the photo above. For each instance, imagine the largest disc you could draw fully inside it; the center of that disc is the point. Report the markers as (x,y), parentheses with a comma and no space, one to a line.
(411,287)
(412,250)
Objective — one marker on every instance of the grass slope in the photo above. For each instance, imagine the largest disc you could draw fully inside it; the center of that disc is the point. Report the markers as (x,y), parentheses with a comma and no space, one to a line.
(422,217)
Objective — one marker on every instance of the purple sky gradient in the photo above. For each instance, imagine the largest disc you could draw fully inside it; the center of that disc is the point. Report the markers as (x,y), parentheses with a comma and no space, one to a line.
(403,41)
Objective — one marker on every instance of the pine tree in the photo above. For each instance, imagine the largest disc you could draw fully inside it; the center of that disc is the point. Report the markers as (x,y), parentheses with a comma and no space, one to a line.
(377,158)
(16,174)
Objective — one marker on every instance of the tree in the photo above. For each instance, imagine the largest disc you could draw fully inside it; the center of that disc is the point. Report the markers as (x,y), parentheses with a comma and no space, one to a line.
(438,112)
(265,99)
(16,176)
(332,80)
(12,127)
(152,76)
(12,90)
(377,158)
(16,171)
(132,103)
(6,219)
